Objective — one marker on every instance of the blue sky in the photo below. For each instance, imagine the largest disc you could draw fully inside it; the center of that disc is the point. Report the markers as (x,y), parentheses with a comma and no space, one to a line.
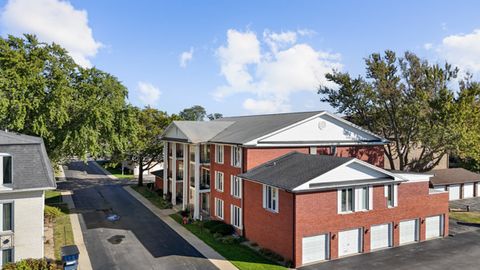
(243,57)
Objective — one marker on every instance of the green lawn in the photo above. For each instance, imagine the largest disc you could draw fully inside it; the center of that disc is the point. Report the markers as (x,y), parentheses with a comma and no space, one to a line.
(62,234)
(53,197)
(117,172)
(470,217)
(152,196)
(241,256)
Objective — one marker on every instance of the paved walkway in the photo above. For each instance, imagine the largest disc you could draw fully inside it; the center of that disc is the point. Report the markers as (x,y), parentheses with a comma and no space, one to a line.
(217,259)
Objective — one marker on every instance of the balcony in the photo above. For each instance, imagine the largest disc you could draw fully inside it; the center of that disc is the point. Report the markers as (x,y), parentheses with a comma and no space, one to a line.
(205,154)
(205,179)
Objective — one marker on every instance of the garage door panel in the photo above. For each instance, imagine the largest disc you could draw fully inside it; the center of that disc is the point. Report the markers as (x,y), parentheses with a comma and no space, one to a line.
(408,231)
(349,242)
(454,192)
(434,227)
(314,248)
(468,190)
(380,236)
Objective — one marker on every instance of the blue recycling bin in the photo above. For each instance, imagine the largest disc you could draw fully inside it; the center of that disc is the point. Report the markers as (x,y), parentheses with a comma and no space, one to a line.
(70,256)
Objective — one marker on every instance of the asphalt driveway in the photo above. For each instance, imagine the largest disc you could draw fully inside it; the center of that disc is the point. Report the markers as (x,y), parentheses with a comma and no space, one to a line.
(461,251)
(138,240)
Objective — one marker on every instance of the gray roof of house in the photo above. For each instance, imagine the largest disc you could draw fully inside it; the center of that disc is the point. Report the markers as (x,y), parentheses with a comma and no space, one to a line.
(199,131)
(31,166)
(247,128)
(293,169)
(453,176)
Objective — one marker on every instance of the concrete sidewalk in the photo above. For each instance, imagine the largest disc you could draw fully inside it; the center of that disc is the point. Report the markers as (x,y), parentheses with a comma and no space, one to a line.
(217,259)
(84,260)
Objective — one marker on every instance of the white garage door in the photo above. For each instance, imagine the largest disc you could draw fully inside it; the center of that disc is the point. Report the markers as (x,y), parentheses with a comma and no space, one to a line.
(439,188)
(454,192)
(380,236)
(314,248)
(478,189)
(468,190)
(434,227)
(349,242)
(408,231)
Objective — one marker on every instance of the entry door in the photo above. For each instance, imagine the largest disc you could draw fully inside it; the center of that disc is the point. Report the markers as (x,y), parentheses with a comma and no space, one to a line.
(380,236)
(314,248)
(454,192)
(349,242)
(467,190)
(434,227)
(408,231)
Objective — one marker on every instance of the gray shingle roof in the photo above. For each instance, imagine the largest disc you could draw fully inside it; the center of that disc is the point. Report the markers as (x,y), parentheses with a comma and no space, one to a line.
(453,176)
(293,169)
(31,166)
(246,128)
(199,131)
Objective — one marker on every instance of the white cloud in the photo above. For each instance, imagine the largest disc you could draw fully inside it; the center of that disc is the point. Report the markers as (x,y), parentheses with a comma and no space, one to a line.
(428,46)
(52,21)
(148,94)
(462,50)
(271,70)
(186,57)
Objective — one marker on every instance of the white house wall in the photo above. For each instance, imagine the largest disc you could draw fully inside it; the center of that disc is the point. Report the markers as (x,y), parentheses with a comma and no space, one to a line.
(321,128)
(28,223)
(175,132)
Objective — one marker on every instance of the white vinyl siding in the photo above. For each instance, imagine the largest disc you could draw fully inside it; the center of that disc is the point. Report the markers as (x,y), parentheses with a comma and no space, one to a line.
(219,181)
(433,227)
(219,208)
(270,198)
(355,199)
(236,156)
(236,216)
(349,242)
(315,248)
(391,194)
(219,154)
(236,186)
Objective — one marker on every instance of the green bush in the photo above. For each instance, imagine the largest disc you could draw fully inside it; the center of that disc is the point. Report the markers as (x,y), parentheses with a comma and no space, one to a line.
(52,212)
(217,236)
(211,223)
(229,239)
(29,264)
(223,229)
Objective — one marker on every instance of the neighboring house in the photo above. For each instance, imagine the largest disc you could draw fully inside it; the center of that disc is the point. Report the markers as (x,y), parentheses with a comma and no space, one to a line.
(25,174)
(134,168)
(460,183)
(415,154)
(211,168)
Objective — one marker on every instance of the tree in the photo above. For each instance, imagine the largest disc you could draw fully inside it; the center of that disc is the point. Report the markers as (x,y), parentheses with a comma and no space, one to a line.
(213,116)
(43,92)
(194,113)
(407,101)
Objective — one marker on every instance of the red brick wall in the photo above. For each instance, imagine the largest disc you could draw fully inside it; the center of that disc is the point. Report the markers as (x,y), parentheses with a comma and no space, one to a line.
(316,213)
(228,170)
(158,182)
(270,230)
(253,157)
(371,154)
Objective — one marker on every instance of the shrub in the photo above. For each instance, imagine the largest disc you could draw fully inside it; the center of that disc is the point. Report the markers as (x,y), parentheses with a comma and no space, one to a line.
(185,213)
(211,223)
(52,212)
(229,239)
(223,229)
(217,236)
(30,264)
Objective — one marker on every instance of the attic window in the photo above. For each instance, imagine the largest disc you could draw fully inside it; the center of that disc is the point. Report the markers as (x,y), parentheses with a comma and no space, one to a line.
(6,168)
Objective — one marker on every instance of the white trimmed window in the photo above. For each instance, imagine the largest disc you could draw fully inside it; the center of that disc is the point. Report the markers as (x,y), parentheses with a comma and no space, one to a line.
(391,194)
(355,199)
(7,256)
(6,169)
(6,212)
(219,181)
(219,208)
(236,186)
(236,156)
(236,216)
(219,154)
(270,198)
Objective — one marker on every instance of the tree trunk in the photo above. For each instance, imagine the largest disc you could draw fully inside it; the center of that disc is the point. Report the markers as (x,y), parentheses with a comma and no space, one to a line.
(140,173)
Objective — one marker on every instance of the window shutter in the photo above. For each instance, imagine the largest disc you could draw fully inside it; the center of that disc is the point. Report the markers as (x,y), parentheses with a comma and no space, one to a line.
(240,222)
(231,185)
(370,197)
(356,199)
(339,201)
(264,196)
(278,200)
(232,214)
(395,195)
(240,183)
(386,191)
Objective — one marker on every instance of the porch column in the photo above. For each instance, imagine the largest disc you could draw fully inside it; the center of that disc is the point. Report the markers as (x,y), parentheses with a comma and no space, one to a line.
(186,178)
(174,173)
(165,169)
(196,194)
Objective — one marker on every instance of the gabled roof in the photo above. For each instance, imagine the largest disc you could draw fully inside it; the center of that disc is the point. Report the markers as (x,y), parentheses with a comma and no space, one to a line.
(31,166)
(196,131)
(453,176)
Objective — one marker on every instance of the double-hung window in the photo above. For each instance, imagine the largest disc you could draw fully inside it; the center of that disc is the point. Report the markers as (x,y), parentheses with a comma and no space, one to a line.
(219,208)
(236,157)
(236,186)
(355,199)
(219,181)
(236,216)
(270,198)
(7,256)
(347,200)
(7,217)
(391,195)
(219,154)
(5,169)
(363,199)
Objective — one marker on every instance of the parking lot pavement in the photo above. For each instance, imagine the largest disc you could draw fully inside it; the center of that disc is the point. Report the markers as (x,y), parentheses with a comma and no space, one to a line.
(461,251)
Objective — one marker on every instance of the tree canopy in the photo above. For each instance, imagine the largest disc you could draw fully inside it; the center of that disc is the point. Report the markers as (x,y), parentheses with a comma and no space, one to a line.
(413,104)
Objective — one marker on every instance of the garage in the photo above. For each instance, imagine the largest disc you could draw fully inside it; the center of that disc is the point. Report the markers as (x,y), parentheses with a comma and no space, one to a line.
(477,194)
(439,188)
(434,227)
(454,192)
(381,236)
(314,248)
(349,242)
(408,231)
(467,190)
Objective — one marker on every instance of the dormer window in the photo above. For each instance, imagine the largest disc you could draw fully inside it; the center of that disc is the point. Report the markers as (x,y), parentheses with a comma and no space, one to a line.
(6,169)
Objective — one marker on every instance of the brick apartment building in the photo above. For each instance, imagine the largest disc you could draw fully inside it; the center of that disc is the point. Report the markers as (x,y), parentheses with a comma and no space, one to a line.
(310,186)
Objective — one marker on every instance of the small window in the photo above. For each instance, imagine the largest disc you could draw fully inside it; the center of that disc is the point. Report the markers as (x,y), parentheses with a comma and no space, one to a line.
(236,156)
(219,154)
(219,208)
(7,217)
(270,198)
(236,186)
(7,256)
(347,200)
(6,169)
(391,195)
(219,181)
(236,216)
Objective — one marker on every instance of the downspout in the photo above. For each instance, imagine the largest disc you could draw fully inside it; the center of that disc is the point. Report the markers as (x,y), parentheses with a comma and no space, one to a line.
(294,228)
